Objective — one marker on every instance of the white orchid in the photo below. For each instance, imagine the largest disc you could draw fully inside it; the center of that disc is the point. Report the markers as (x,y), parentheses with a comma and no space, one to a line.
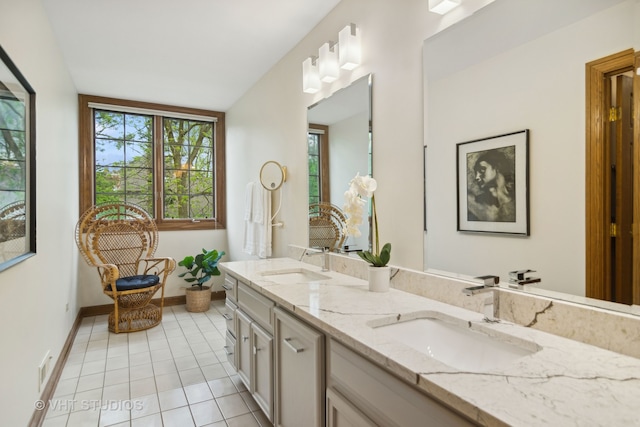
(359,188)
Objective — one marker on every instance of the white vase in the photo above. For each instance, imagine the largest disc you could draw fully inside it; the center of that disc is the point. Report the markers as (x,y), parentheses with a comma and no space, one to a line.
(379,278)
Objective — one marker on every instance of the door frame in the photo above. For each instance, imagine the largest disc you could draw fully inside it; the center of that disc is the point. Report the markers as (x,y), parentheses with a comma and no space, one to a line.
(598,211)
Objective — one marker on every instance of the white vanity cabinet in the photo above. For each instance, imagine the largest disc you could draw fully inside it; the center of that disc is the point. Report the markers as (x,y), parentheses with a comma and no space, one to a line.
(299,372)
(254,345)
(361,393)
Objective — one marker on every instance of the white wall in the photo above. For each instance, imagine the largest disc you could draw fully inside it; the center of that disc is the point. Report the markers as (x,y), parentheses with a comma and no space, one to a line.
(538,86)
(34,293)
(347,158)
(269,122)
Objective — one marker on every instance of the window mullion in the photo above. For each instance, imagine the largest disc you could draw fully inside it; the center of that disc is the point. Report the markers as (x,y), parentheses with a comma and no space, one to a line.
(158,168)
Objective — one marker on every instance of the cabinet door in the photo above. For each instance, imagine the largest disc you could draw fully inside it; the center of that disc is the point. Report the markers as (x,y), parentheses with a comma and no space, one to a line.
(341,413)
(299,373)
(262,380)
(243,345)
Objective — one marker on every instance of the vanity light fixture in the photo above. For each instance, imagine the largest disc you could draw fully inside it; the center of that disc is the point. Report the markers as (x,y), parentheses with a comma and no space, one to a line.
(328,62)
(310,76)
(443,6)
(349,50)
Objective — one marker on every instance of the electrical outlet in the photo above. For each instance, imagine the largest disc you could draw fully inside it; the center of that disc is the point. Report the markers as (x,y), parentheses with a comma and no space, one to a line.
(43,370)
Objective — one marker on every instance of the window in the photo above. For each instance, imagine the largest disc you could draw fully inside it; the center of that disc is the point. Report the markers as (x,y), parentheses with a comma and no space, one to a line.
(318,140)
(168,160)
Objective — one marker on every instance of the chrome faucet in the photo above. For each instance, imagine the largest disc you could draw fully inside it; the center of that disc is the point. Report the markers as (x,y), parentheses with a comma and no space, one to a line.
(325,257)
(490,282)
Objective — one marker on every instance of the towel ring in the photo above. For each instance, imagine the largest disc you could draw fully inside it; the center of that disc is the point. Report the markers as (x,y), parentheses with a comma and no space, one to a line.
(272,175)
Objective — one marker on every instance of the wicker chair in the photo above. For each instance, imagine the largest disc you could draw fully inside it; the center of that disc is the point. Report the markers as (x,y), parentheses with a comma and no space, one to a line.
(326,226)
(12,230)
(120,239)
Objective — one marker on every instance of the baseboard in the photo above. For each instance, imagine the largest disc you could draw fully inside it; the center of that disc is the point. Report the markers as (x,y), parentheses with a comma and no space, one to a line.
(97,310)
(47,394)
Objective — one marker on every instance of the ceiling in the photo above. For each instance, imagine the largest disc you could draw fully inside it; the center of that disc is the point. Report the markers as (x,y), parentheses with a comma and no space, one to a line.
(193,53)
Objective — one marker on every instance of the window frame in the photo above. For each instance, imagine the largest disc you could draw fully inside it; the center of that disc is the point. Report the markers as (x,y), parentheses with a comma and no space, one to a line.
(323,153)
(87,159)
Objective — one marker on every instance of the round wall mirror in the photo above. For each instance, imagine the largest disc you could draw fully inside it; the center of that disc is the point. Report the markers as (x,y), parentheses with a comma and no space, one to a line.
(272,175)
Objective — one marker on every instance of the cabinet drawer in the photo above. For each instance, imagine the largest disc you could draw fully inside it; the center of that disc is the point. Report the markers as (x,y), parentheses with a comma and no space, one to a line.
(230,286)
(230,316)
(382,397)
(230,349)
(258,307)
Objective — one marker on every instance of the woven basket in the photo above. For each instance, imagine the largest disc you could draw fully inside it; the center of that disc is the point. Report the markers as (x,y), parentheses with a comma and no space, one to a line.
(198,300)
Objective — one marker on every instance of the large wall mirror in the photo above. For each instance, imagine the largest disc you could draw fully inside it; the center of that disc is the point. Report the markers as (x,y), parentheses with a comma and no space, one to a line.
(340,144)
(511,66)
(17,165)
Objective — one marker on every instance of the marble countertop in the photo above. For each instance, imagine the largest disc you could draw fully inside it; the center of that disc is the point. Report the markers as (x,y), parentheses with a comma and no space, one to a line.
(563,383)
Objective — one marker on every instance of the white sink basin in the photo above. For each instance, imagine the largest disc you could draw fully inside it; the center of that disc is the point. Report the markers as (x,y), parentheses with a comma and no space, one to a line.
(455,344)
(293,275)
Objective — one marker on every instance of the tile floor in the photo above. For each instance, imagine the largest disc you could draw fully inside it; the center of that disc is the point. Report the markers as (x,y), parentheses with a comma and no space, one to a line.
(175,374)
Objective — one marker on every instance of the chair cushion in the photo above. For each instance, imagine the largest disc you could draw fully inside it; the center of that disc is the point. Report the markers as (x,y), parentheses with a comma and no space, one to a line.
(135,282)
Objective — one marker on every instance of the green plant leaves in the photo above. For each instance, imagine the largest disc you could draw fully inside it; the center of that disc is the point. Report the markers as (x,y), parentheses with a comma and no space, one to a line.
(201,267)
(377,260)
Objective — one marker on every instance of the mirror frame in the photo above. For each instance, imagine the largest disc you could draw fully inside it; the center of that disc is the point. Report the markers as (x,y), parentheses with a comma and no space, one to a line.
(30,159)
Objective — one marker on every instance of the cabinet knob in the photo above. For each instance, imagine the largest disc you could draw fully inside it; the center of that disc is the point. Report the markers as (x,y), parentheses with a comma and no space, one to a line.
(245,338)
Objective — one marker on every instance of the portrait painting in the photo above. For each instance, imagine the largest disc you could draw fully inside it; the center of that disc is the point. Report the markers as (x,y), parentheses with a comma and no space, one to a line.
(493,184)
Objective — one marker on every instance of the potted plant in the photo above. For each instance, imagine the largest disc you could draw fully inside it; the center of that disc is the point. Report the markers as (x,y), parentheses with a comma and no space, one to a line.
(199,270)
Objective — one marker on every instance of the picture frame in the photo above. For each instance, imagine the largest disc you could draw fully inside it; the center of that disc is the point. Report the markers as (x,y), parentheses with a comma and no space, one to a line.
(493,184)
(17,165)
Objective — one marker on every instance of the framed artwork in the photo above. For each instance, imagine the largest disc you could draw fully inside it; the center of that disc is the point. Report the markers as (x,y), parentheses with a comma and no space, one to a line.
(493,184)
(17,165)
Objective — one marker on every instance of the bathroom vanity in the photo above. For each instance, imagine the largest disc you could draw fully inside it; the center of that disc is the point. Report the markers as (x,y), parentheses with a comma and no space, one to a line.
(317,348)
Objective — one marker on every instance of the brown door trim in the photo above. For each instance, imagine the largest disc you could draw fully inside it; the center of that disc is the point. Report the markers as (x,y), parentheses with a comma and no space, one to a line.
(597,218)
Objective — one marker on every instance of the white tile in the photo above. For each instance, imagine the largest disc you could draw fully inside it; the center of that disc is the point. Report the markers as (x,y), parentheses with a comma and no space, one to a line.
(116,392)
(154,420)
(116,376)
(162,354)
(164,367)
(117,351)
(114,415)
(143,358)
(197,393)
(142,387)
(95,355)
(117,363)
(66,387)
(206,359)
(71,371)
(186,362)
(238,382)
(213,372)
(87,400)
(222,387)
(144,406)
(191,376)
(97,345)
(141,371)
(90,382)
(232,406)
(168,381)
(59,406)
(246,420)
(206,412)
(171,399)
(84,418)
(59,421)
(89,368)
(178,417)
(74,359)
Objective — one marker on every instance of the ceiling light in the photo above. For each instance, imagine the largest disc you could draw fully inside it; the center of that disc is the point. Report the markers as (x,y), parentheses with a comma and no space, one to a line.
(328,62)
(310,76)
(349,51)
(442,6)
